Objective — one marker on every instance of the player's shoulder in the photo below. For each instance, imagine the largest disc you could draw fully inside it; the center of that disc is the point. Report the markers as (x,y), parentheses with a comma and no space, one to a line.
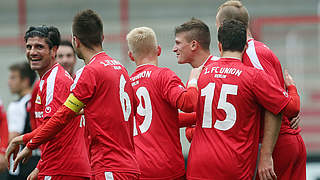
(261,48)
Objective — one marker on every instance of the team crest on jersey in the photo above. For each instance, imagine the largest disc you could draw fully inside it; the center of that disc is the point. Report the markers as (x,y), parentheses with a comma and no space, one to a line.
(48,109)
(38,99)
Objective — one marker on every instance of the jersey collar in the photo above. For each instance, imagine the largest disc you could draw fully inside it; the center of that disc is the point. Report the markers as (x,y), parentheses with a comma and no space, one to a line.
(94,56)
(56,64)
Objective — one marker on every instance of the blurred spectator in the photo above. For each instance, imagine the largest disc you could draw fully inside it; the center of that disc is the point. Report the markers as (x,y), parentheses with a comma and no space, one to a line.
(66,57)
(21,79)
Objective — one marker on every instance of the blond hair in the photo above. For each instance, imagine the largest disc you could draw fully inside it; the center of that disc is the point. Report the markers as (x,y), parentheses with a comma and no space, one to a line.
(142,41)
(233,9)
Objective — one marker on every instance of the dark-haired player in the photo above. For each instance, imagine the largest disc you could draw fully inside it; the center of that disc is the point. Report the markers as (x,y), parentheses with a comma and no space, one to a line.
(103,89)
(64,156)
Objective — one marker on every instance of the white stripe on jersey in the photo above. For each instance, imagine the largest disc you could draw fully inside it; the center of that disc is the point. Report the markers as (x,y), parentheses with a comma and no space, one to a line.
(108,175)
(78,74)
(41,85)
(47,178)
(251,52)
(50,85)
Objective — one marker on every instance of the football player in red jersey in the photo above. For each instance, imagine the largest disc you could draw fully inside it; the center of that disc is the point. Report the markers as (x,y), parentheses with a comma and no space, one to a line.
(230,94)
(64,156)
(160,93)
(192,46)
(103,89)
(286,165)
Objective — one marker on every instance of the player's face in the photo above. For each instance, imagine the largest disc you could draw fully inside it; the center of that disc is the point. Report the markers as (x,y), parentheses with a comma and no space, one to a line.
(15,82)
(66,57)
(182,48)
(39,55)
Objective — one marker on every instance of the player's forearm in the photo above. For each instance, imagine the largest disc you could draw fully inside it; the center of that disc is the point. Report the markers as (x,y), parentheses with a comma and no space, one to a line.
(293,107)
(187,119)
(271,130)
(28,136)
(54,125)
(187,102)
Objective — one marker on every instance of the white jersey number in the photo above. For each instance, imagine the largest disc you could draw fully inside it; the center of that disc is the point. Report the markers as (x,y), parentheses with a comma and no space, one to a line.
(124,99)
(231,113)
(145,111)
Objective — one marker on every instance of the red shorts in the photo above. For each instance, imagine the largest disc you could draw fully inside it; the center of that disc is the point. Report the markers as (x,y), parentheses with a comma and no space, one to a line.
(59,177)
(115,176)
(289,157)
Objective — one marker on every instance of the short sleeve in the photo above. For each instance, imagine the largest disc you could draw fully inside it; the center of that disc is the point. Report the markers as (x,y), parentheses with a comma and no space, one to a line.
(84,84)
(270,95)
(171,86)
(56,91)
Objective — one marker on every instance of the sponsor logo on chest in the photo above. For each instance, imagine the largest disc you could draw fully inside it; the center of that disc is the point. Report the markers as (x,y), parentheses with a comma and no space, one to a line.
(38,114)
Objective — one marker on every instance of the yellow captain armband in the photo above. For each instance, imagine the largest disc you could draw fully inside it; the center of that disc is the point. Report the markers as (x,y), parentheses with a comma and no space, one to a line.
(74,104)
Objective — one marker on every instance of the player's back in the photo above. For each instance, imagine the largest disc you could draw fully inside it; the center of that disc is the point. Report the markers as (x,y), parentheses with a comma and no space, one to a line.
(104,86)
(157,137)
(64,154)
(227,132)
(259,55)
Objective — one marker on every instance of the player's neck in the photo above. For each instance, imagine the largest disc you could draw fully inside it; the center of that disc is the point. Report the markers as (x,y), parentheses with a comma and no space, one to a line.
(200,58)
(89,53)
(249,35)
(25,91)
(147,60)
(231,54)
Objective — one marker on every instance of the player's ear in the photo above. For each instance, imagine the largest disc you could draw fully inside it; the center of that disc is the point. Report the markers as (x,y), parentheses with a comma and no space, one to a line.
(194,44)
(130,56)
(220,48)
(159,50)
(76,42)
(102,37)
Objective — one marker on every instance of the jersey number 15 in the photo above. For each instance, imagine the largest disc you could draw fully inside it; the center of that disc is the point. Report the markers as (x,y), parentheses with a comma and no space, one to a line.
(230,110)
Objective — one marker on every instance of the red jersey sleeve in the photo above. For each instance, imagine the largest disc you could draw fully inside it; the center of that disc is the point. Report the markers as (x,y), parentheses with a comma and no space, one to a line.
(171,86)
(84,84)
(55,124)
(271,96)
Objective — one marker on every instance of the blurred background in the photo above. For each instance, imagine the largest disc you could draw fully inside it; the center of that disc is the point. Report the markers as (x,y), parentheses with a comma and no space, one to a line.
(291,28)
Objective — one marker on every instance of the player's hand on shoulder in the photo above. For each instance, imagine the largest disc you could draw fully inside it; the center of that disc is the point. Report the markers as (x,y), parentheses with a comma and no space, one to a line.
(288,80)
(294,122)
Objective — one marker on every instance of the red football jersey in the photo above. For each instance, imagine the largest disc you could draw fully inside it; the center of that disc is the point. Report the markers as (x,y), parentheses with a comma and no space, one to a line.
(104,87)
(225,143)
(64,154)
(258,55)
(157,135)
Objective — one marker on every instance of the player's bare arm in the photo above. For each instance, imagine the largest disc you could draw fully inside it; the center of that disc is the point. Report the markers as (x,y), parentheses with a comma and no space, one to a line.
(272,125)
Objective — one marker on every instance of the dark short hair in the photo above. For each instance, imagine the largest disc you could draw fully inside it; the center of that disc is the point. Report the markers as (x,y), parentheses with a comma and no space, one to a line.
(88,28)
(197,30)
(51,34)
(25,71)
(232,34)
(67,43)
